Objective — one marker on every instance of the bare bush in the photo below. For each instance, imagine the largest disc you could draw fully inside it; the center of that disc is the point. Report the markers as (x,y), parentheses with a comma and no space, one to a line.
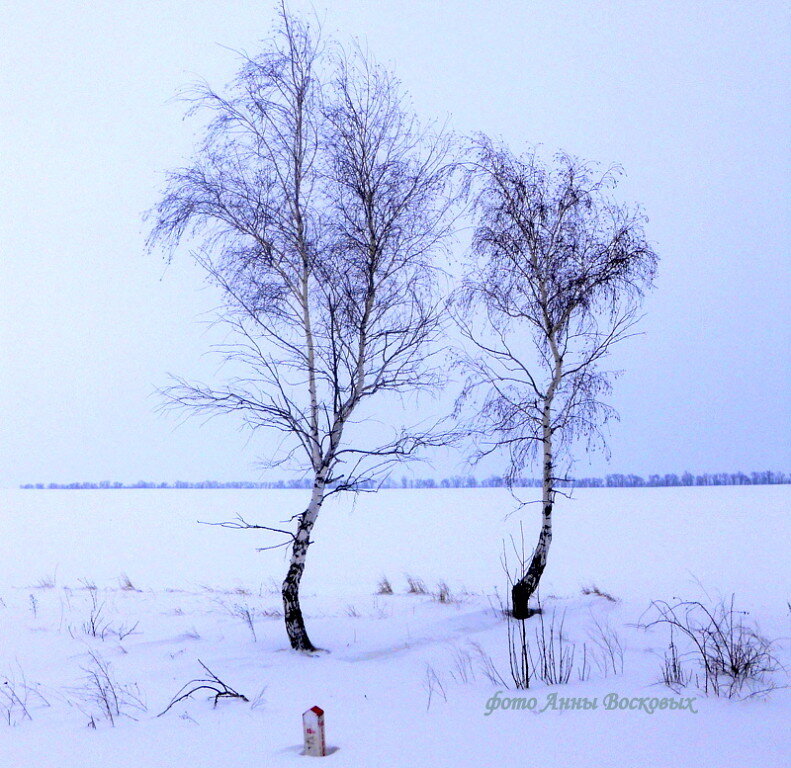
(463,670)
(125,583)
(554,655)
(443,594)
(384,588)
(247,615)
(416,586)
(96,625)
(732,659)
(17,698)
(608,649)
(46,582)
(102,697)
(550,657)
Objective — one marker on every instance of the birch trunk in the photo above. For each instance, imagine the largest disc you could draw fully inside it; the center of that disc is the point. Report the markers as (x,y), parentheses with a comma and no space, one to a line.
(523,590)
(295,622)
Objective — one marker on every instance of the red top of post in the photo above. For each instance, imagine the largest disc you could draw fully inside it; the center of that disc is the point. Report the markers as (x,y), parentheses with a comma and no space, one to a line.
(317,710)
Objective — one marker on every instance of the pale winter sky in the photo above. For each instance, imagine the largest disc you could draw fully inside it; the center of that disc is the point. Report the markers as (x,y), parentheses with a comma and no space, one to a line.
(691,98)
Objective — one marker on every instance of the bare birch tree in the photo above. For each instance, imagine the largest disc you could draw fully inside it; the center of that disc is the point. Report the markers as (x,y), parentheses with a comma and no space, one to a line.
(557,264)
(317,204)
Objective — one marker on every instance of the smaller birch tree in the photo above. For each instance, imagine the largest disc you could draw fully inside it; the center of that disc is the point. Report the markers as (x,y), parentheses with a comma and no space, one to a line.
(556,278)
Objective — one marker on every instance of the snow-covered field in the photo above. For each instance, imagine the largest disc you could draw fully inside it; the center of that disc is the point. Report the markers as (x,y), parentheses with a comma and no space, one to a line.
(403,681)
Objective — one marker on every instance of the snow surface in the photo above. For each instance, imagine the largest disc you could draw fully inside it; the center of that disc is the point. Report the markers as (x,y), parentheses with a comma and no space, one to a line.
(402,681)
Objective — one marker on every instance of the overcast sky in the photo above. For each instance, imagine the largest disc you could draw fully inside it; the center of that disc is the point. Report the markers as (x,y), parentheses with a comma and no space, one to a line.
(692,98)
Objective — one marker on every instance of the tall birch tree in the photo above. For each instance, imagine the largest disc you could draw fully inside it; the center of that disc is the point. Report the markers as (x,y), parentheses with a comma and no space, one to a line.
(317,204)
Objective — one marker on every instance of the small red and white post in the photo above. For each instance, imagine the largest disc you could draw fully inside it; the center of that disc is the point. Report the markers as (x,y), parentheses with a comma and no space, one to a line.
(313,727)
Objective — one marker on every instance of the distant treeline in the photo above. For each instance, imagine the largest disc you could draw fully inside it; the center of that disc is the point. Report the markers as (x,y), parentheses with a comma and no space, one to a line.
(459,481)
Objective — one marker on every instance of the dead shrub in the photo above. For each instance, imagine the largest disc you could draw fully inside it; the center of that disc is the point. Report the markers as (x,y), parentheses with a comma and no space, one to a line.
(730,658)
(416,586)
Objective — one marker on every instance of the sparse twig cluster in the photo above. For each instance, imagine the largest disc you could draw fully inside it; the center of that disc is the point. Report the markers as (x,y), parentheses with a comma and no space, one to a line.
(103,697)
(730,658)
(17,698)
(608,648)
(553,659)
(549,657)
(247,615)
(98,625)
